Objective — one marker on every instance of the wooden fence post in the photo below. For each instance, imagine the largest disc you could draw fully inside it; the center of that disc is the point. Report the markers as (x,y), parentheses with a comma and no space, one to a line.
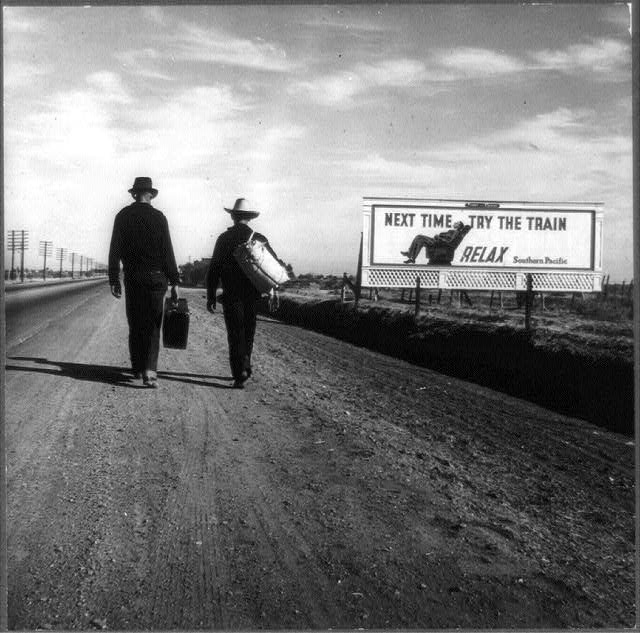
(527,303)
(343,289)
(358,284)
(606,288)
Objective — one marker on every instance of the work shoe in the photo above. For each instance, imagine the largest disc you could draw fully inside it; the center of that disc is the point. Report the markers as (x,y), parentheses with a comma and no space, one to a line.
(238,383)
(150,379)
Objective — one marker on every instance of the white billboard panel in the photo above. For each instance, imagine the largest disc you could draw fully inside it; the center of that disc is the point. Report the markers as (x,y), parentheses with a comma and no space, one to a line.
(491,238)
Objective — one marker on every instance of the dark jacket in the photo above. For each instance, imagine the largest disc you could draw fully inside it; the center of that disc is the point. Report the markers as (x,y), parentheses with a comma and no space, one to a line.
(141,241)
(225,268)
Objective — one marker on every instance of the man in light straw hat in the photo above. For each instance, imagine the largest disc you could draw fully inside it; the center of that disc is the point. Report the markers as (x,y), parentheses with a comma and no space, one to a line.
(240,297)
(141,241)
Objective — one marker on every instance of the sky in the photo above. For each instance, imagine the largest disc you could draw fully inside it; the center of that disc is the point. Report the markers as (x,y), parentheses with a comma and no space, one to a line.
(304,110)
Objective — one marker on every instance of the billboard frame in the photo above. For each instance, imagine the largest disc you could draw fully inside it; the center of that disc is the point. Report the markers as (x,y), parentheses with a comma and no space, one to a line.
(377,275)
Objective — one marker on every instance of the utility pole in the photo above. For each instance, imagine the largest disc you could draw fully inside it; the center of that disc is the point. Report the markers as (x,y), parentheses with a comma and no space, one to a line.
(46,248)
(18,241)
(12,245)
(23,246)
(81,258)
(73,261)
(60,255)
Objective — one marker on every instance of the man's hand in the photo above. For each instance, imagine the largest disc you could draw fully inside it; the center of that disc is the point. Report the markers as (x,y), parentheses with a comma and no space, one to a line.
(174,294)
(274,300)
(211,305)
(116,290)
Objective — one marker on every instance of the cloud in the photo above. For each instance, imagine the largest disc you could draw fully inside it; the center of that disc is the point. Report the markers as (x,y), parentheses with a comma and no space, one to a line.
(341,88)
(20,20)
(556,155)
(109,86)
(69,129)
(339,20)
(199,128)
(21,74)
(607,58)
(144,63)
(20,66)
(619,15)
(196,44)
(154,14)
(478,63)
(433,76)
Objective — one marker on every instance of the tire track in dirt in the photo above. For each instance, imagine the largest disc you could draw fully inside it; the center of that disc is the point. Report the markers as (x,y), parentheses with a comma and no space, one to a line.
(247,495)
(189,530)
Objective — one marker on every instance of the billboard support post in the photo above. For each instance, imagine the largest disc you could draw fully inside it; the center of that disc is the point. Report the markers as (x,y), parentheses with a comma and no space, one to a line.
(417,310)
(527,303)
(358,289)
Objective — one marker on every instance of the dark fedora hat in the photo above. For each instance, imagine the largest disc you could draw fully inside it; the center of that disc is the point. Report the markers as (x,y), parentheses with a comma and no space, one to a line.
(143,183)
(242,209)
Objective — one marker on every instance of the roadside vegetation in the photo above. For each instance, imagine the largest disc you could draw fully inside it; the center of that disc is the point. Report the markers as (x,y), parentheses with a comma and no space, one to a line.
(577,358)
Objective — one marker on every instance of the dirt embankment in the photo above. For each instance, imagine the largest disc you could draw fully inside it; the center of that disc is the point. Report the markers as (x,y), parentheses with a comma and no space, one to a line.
(590,377)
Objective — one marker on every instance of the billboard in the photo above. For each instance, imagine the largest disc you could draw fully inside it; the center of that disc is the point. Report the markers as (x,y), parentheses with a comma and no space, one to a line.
(404,234)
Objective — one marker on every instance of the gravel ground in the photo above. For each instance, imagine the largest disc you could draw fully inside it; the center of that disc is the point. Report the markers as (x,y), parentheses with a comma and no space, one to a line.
(341,489)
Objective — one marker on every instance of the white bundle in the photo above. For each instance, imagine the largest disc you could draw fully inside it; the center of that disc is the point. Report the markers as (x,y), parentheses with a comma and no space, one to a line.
(259,265)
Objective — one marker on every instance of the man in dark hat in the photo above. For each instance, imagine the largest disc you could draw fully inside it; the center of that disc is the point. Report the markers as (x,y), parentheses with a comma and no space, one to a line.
(141,241)
(240,297)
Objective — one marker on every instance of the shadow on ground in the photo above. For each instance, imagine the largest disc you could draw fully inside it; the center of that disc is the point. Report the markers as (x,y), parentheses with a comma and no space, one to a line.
(120,376)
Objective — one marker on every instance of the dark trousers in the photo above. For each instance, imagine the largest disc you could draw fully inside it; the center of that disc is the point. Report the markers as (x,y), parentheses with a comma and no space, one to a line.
(144,304)
(240,319)
(418,242)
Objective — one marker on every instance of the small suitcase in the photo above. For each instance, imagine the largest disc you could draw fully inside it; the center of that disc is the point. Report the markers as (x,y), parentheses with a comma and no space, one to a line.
(175,324)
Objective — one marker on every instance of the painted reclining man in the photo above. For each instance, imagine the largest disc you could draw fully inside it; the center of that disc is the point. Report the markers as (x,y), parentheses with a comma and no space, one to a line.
(449,240)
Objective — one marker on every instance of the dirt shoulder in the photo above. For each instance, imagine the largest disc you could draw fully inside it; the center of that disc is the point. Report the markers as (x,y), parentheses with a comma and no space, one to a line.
(342,489)
(576,366)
